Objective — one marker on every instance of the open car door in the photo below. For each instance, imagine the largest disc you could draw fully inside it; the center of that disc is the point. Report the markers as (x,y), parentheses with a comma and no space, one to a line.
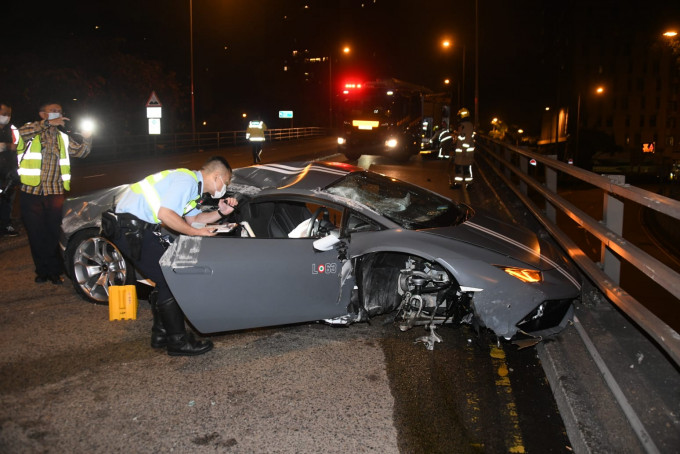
(231,283)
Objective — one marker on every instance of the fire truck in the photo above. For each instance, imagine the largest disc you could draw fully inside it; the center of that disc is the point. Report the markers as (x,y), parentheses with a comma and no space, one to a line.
(381,117)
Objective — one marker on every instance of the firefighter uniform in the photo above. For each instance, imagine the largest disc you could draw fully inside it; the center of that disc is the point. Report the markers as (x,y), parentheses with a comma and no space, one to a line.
(462,158)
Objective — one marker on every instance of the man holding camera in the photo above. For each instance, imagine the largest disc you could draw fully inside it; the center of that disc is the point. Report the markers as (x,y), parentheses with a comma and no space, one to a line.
(45,171)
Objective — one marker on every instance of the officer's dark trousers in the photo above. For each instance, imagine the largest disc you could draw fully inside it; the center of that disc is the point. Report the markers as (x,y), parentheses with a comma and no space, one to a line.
(41,215)
(256,150)
(151,252)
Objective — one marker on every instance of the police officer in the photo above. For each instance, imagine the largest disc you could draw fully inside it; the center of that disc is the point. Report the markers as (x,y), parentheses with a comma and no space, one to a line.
(255,134)
(464,151)
(169,198)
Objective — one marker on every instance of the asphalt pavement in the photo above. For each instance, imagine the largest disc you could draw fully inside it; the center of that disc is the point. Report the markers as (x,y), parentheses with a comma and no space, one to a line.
(100,387)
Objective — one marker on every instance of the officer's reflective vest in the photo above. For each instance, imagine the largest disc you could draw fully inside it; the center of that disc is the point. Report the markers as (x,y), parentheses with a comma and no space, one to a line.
(255,131)
(29,158)
(147,187)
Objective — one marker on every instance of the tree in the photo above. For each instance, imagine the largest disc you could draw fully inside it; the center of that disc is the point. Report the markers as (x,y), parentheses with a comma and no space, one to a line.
(94,78)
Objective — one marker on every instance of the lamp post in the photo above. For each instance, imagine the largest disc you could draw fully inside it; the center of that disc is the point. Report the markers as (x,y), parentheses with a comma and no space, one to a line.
(476,64)
(345,50)
(446,44)
(598,90)
(191,53)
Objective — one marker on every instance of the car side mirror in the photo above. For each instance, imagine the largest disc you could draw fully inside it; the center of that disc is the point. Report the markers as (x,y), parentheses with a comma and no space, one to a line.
(326,243)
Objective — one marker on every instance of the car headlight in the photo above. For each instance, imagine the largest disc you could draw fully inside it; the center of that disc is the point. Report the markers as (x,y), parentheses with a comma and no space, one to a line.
(523,274)
(392,143)
(341,140)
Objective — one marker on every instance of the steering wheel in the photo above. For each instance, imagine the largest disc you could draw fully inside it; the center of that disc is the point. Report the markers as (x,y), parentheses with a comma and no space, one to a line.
(313,227)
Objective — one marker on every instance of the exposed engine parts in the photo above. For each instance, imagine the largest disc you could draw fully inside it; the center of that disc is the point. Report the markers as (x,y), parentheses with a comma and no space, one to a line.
(429,297)
(425,295)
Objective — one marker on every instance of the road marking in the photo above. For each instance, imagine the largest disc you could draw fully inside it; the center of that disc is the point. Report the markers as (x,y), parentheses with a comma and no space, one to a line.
(513,434)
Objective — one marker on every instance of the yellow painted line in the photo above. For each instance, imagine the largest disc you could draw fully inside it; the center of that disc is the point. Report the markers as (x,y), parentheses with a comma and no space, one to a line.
(473,409)
(513,436)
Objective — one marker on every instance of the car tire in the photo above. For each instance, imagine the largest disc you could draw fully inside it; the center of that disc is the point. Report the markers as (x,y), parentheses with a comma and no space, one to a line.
(94,263)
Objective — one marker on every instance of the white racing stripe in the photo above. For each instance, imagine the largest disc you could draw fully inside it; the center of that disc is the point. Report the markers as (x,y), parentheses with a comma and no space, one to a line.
(527,249)
(289,170)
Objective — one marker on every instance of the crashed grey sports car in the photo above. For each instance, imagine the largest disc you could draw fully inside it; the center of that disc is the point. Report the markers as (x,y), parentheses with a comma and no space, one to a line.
(333,242)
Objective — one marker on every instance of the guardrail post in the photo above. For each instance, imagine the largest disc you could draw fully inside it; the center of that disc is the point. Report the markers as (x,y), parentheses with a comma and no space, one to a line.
(551,184)
(613,218)
(508,158)
(524,168)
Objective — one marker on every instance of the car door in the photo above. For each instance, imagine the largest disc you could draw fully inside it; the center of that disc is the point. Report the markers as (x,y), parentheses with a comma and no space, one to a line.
(230,283)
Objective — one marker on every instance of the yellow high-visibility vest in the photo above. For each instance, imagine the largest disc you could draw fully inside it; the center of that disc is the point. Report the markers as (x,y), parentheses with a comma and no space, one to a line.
(29,157)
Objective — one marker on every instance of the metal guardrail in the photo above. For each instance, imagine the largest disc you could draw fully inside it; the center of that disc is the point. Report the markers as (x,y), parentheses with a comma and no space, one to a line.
(120,147)
(508,160)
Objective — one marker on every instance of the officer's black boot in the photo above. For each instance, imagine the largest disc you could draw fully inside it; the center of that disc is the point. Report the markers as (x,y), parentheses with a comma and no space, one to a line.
(159,338)
(179,342)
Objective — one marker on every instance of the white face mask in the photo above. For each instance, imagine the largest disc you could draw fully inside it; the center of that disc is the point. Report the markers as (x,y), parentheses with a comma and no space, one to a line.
(53,115)
(221,192)
(4,119)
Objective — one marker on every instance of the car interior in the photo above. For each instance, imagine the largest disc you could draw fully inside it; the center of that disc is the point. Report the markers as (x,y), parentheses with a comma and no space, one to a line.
(279,219)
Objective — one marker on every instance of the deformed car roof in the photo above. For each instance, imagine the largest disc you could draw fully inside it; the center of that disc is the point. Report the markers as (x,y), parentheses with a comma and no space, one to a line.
(299,175)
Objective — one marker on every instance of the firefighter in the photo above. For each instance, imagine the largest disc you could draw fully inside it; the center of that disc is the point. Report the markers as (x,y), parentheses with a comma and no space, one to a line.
(255,134)
(464,151)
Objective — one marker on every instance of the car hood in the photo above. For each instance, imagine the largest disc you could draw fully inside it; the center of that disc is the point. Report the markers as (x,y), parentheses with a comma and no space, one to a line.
(500,237)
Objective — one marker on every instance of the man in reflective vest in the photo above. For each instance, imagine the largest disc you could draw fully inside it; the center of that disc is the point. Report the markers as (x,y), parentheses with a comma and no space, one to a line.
(168,198)
(255,134)
(45,174)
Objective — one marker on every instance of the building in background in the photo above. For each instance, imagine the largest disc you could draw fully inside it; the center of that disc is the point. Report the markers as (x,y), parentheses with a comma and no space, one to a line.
(626,86)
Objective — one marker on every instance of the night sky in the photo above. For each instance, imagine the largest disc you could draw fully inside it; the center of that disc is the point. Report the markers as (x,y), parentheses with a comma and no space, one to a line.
(241,47)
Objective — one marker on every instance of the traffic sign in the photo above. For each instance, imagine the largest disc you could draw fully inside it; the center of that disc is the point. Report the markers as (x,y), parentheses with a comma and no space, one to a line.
(153,101)
(154,107)
(154,126)
(285,114)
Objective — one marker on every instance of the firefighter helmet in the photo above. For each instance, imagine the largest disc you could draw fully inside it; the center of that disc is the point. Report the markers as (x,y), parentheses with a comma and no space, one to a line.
(463,113)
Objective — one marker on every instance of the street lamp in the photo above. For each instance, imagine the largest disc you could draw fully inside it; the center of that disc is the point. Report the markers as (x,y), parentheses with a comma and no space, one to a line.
(191,53)
(446,44)
(599,90)
(345,50)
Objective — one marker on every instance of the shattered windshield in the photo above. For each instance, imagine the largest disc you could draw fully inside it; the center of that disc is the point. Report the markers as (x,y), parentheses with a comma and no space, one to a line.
(408,205)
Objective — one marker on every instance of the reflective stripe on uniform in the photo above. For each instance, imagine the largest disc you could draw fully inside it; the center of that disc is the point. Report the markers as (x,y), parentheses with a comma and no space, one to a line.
(29,160)
(146,187)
